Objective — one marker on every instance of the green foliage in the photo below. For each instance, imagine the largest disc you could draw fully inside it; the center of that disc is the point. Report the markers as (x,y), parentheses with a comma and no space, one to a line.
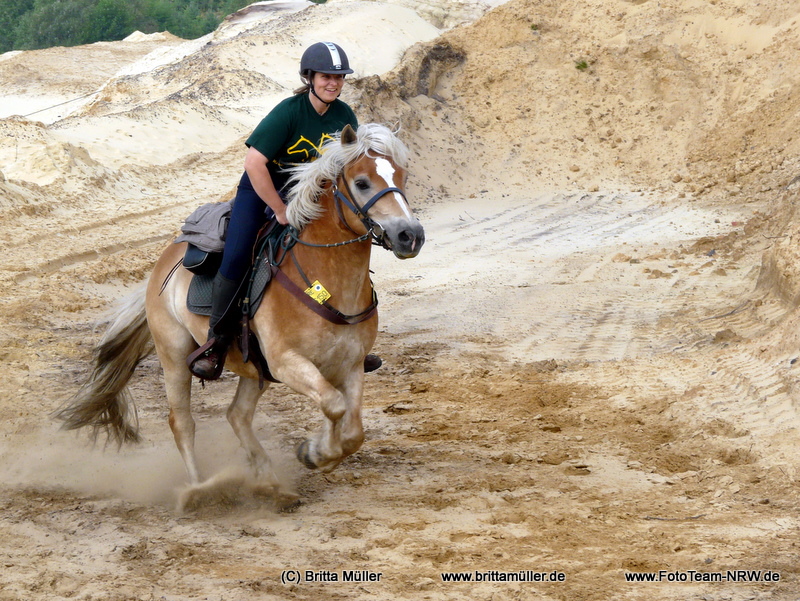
(10,12)
(31,24)
(109,20)
(58,22)
(581,65)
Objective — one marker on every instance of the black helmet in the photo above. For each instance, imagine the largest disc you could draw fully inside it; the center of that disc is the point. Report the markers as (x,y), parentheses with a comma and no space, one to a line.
(324,57)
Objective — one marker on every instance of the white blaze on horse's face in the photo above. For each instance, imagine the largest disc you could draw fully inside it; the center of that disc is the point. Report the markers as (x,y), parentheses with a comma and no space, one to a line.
(401,230)
(375,184)
(386,171)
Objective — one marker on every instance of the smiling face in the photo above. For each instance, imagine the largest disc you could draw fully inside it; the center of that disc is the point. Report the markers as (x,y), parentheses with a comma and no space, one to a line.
(328,86)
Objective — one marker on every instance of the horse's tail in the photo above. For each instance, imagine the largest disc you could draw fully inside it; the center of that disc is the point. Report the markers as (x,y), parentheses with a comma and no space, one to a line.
(103,401)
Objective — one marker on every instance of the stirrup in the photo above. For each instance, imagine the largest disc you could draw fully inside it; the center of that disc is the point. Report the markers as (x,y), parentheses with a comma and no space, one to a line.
(207,361)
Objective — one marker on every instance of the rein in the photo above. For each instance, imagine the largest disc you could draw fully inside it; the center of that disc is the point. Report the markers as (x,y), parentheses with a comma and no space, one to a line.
(293,234)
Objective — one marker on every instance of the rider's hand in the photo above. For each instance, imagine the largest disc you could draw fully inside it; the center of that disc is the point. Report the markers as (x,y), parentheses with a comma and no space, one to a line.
(281,217)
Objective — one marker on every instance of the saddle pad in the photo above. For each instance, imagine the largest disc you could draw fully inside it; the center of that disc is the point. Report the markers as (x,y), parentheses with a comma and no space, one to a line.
(198,300)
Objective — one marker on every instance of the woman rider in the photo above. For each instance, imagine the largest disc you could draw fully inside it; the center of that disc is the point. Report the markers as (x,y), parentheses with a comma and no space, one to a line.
(291,133)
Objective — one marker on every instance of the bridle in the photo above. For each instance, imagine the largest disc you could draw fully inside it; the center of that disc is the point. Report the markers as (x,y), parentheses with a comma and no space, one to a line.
(292,236)
(379,237)
(374,230)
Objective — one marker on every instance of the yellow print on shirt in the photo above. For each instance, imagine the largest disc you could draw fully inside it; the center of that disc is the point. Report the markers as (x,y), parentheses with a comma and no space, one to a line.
(307,148)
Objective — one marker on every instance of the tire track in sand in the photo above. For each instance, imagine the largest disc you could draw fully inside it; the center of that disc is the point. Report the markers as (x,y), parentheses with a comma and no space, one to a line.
(606,310)
(759,394)
(668,302)
(69,260)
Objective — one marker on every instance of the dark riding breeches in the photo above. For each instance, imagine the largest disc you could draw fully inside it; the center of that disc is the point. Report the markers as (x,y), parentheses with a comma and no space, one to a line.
(248,216)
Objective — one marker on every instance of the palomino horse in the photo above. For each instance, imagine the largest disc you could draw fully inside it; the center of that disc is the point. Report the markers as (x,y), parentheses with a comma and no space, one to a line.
(349,198)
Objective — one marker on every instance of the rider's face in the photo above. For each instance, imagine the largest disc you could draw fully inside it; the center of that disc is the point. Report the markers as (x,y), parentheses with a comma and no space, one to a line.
(328,86)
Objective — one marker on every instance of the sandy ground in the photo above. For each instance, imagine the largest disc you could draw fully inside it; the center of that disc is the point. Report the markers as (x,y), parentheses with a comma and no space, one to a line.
(590,370)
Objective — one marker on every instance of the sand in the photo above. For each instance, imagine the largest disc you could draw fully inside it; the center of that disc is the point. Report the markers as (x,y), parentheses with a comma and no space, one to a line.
(590,369)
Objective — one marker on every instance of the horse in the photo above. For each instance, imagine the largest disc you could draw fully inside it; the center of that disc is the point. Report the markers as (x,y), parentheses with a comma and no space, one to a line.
(350,198)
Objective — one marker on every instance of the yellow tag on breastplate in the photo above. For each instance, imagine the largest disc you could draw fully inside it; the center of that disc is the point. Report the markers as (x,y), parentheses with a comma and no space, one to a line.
(318,292)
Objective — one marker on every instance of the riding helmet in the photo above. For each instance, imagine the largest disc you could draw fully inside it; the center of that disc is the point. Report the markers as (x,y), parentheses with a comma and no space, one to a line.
(324,57)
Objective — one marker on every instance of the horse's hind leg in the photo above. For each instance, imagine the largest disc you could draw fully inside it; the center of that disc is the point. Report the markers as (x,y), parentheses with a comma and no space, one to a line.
(240,416)
(181,422)
(173,344)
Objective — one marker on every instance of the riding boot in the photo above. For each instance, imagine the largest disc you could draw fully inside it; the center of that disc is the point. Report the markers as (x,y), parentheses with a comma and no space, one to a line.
(207,361)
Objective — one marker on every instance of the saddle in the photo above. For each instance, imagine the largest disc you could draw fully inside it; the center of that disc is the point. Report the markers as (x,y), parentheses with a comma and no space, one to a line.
(269,251)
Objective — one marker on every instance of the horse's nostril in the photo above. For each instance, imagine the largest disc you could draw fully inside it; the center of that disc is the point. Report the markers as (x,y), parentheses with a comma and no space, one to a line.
(406,236)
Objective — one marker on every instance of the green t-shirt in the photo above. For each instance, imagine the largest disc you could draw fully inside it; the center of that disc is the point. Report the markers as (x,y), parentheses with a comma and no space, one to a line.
(293,133)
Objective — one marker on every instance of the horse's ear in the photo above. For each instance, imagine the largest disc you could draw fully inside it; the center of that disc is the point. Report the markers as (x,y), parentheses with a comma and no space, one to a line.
(348,135)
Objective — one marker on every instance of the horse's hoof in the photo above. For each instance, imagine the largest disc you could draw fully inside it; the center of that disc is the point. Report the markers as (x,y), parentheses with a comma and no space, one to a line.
(234,488)
(287,502)
(191,500)
(304,454)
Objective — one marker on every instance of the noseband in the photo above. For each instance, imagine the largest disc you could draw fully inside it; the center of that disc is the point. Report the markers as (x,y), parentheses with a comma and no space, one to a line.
(379,238)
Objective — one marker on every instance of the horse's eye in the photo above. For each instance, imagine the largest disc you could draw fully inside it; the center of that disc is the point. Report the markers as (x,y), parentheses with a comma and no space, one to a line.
(362,184)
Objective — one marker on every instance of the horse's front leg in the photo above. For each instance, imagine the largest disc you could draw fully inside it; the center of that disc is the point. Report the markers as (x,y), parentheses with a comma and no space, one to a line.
(342,432)
(351,434)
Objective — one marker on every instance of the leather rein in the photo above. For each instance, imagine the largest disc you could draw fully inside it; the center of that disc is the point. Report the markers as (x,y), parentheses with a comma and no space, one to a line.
(324,308)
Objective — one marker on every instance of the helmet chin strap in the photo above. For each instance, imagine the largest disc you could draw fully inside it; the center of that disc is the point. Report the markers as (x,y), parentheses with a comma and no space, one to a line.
(313,91)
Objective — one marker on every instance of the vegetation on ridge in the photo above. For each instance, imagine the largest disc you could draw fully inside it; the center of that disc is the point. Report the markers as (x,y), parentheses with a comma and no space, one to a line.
(32,24)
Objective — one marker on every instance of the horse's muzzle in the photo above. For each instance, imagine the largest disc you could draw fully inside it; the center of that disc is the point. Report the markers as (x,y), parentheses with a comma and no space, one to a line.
(406,241)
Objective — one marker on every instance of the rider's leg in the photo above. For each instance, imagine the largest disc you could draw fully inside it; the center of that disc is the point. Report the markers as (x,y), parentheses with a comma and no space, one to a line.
(207,361)
(247,217)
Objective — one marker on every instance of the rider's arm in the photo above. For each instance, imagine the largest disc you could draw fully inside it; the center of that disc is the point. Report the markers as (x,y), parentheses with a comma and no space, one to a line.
(255,164)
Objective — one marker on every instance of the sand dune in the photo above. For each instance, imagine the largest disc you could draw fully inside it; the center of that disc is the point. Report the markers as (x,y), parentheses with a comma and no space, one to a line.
(590,368)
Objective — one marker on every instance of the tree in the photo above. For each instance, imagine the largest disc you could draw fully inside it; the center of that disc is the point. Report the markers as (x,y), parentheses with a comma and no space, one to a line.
(109,20)
(31,24)
(52,23)
(10,13)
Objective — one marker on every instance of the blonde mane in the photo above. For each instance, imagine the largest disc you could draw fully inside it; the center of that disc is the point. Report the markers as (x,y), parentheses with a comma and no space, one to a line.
(307,181)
